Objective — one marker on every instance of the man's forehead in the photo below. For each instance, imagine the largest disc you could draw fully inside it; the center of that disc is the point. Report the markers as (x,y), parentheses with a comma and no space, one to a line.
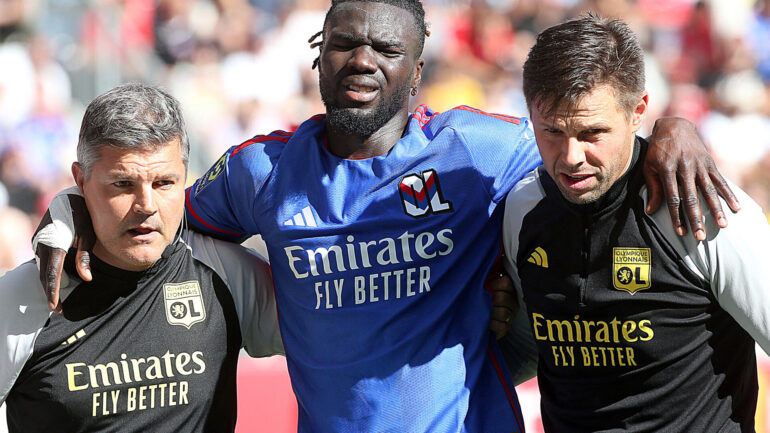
(578,115)
(373,18)
(164,157)
(596,104)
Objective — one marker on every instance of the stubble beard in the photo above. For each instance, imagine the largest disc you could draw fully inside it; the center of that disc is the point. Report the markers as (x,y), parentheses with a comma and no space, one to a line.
(352,121)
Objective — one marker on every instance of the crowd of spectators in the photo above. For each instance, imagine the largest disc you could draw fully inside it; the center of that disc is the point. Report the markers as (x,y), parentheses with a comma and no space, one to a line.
(242,67)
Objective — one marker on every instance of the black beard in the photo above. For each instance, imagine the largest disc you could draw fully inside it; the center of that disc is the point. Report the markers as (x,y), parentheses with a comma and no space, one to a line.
(350,122)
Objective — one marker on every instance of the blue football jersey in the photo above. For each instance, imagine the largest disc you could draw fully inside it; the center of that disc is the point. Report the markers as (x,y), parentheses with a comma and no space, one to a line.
(379,267)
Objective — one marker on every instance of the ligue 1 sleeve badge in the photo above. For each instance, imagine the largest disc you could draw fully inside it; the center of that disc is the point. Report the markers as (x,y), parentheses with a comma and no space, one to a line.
(184,303)
(631,269)
(212,174)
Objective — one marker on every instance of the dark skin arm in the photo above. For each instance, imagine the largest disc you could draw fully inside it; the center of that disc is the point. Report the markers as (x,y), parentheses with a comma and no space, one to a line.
(51,260)
(52,264)
(677,171)
(504,305)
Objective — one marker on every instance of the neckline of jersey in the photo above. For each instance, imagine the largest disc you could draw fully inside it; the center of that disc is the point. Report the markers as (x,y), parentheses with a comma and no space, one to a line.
(399,146)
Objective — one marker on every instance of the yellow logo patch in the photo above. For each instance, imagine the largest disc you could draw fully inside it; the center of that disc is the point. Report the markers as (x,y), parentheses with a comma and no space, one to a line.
(211,175)
(631,269)
(539,257)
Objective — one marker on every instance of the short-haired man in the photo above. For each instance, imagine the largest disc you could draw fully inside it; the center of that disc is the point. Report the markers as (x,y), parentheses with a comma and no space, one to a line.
(637,329)
(152,342)
(382,227)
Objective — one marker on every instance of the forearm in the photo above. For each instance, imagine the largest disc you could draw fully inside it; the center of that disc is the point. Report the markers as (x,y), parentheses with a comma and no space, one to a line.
(57,228)
(520,350)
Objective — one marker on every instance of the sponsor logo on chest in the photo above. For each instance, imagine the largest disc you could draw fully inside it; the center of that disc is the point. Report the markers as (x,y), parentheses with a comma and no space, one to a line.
(393,275)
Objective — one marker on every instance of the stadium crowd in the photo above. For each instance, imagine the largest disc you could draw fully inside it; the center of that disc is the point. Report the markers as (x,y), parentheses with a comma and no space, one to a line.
(236,68)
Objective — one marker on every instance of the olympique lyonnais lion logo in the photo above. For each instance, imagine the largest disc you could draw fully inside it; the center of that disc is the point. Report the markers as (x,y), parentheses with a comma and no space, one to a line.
(631,269)
(178,310)
(625,275)
(184,303)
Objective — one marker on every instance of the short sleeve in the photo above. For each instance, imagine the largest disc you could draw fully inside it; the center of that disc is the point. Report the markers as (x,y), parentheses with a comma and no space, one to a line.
(222,201)
(502,148)
(23,313)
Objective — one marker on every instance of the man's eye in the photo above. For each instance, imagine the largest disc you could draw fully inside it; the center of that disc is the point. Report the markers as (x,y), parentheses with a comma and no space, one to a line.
(390,52)
(342,46)
(591,134)
(552,131)
(165,184)
(121,184)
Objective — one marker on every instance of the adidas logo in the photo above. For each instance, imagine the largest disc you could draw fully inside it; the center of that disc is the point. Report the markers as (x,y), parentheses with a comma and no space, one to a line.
(79,334)
(303,219)
(539,257)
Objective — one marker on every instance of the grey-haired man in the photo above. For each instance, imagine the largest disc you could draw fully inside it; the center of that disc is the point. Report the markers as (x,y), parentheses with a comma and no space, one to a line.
(152,342)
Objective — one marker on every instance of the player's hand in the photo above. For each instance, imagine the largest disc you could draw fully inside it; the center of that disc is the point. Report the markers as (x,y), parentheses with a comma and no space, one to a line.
(51,258)
(677,160)
(84,243)
(504,305)
(51,262)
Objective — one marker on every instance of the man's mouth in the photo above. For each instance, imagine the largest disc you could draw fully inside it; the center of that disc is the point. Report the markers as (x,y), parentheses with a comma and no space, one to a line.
(361,89)
(576,181)
(141,230)
(361,92)
(141,233)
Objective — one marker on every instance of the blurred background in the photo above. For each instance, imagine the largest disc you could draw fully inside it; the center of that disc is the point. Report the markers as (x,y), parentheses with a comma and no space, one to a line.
(242,67)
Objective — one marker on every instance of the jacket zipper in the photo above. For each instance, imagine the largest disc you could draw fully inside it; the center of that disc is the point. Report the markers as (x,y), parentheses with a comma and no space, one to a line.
(585,254)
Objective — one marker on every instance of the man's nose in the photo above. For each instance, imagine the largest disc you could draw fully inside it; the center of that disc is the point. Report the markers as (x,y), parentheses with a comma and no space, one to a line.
(144,202)
(575,153)
(362,59)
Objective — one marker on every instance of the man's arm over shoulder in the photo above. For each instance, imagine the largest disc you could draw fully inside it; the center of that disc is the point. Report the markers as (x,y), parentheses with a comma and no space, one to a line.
(518,346)
(57,229)
(23,313)
(221,202)
(736,262)
(502,147)
(249,279)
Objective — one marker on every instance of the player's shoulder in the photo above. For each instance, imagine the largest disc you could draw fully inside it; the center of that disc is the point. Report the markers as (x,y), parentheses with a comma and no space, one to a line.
(252,161)
(529,187)
(469,119)
(261,147)
(22,283)
(22,300)
(525,195)
(484,134)
(271,145)
(227,259)
(750,217)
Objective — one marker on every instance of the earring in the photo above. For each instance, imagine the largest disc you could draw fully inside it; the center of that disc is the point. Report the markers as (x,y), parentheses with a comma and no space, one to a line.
(414,91)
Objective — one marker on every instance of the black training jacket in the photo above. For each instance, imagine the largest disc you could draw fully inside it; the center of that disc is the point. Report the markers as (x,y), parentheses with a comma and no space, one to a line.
(152,351)
(636,328)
